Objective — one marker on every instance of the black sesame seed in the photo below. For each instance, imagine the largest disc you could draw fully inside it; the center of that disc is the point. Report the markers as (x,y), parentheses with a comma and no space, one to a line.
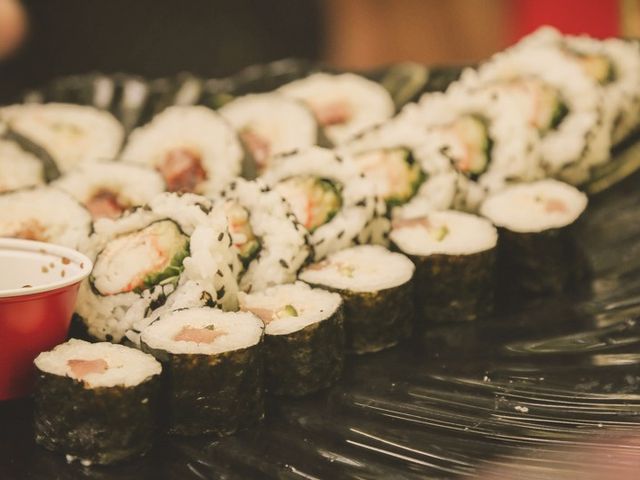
(220,236)
(219,273)
(284,264)
(362,203)
(341,234)
(220,293)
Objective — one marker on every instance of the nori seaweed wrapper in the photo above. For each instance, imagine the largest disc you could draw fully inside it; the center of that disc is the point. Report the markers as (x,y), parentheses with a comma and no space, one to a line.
(538,263)
(101,425)
(212,394)
(377,320)
(450,288)
(307,360)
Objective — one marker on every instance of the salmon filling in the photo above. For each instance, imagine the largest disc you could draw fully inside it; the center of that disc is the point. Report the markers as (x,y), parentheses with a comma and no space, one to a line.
(182,170)
(81,368)
(104,203)
(197,335)
(336,112)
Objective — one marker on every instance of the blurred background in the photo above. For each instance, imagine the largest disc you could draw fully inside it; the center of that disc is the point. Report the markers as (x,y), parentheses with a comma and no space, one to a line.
(42,39)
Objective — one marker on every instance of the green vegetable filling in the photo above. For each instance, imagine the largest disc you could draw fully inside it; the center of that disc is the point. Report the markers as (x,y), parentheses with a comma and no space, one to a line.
(313,200)
(137,261)
(394,171)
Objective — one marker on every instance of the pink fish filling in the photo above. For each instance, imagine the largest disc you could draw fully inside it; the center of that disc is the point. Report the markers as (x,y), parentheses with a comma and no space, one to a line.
(81,368)
(197,335)
(182,170)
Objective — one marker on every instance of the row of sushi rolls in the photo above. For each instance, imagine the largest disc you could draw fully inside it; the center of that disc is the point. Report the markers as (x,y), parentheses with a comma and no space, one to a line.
(248,249)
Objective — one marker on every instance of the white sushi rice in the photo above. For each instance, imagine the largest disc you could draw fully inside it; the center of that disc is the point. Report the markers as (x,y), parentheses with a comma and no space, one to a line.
(359,203)
(237,330)
(582,140)
(365,268)
(132,185)
(211,264)
(446,232)
(284,241)
(367,102)
(44,214)
(19,168)
(311,305)
(71,134)
(126,367)
(535,207)
(283,123)
(193,128)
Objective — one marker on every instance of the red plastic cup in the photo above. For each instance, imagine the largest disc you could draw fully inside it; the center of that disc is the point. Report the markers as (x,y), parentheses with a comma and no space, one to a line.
(38,288)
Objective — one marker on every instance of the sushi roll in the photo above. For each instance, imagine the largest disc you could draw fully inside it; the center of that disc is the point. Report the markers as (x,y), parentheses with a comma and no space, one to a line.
(328,196)
(559,99)
(20,169)
(377,291)
(70,134)
(192,147)
(146,256)
(46,215)
(271,243)
(96,402)
(614,64)
(455,258)
(344,105)
(270,124)
(536,250)
(304,337)
(213,366)
(107,189)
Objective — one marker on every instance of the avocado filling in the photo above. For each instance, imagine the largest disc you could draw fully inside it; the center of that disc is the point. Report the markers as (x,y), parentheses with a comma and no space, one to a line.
(139,260)
(182,170)
(244,240)
(313,200)
(471,137)
(394,172)
(598,67)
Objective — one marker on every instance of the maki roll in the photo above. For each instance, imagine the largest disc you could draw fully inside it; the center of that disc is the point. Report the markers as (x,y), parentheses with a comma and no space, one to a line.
(344,105)
(96,402)
(150,254)
(455,258)
(271,243)
(192,147)
(20,169)
(70,134)
(270,124)
(46,215)
(107,189)
(328,197)
(304,337)
(213,366)
(536,247)
(377,291)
